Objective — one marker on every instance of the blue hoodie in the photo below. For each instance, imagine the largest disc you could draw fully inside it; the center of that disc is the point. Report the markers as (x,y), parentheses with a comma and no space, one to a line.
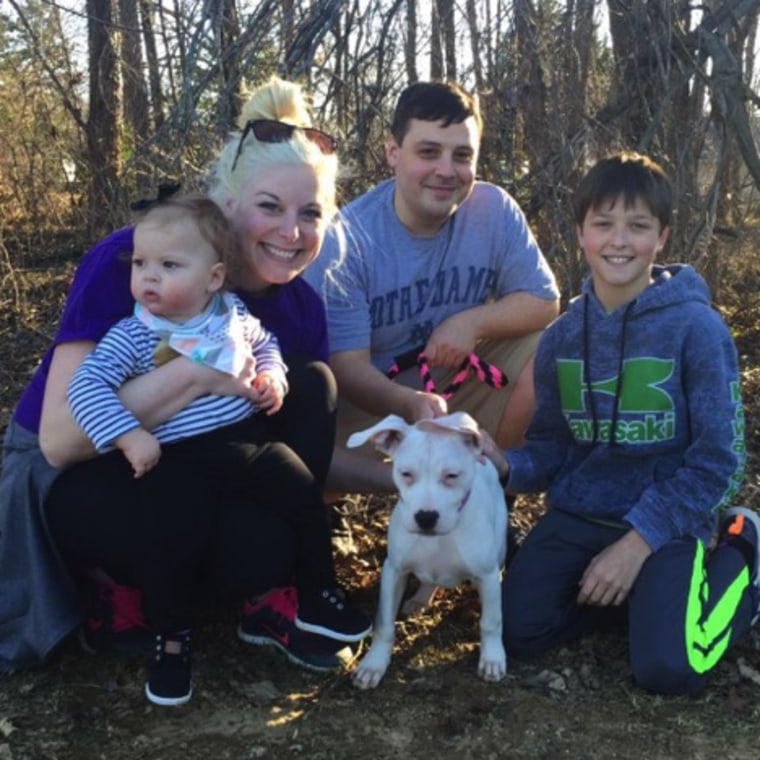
(662,450)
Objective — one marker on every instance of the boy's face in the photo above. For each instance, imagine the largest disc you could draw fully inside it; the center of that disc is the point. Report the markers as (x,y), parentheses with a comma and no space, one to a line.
(174,270)
(435,170)
(620,245)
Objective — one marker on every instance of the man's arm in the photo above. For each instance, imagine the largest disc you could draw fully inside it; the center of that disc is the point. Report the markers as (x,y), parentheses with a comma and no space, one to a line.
(369,389)
(512,316)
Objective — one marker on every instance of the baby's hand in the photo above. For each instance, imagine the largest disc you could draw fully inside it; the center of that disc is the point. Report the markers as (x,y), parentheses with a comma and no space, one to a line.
(271,391)
(141,449)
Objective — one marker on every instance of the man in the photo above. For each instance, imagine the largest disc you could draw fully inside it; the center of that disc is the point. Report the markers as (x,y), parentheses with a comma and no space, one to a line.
(431,261)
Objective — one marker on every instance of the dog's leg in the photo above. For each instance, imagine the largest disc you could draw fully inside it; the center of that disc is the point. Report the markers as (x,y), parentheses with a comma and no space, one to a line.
(373,665)
(420,600)
(493,659)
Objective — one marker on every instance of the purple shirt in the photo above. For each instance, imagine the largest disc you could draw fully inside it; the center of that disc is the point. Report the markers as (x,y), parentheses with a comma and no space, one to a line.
(100,296)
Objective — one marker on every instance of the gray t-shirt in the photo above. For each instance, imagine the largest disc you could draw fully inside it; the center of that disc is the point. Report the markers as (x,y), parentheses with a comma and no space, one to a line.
(388,289)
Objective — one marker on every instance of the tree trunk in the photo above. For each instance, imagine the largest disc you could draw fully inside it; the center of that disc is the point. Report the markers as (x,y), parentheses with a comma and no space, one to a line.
(136,108)
(475,45)
(151,54)
(410,43)
(103,136)
(227,33)
(436,44)
(641,33)
(448,36)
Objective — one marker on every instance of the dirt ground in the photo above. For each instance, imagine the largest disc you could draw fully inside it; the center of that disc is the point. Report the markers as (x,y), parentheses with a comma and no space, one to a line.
(250,702)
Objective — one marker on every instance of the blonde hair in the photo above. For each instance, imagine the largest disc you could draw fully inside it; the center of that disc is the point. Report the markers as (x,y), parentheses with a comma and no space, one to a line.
(281,101)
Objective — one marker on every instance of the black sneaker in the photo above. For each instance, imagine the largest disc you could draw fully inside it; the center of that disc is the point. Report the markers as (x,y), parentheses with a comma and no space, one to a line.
(115,621)
(329,613)
(269,621)
(169,675)
(743,525)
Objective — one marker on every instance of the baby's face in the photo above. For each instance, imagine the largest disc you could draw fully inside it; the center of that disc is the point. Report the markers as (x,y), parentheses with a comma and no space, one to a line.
(174,270)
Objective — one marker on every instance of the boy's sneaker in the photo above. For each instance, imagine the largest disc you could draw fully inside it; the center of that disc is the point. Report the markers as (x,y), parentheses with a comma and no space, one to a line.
(329,613)
(741,526)
(269,621)
(115,621)
(169,675)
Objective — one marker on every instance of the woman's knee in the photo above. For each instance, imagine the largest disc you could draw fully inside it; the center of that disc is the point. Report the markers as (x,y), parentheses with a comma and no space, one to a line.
(311,380)
(252,551)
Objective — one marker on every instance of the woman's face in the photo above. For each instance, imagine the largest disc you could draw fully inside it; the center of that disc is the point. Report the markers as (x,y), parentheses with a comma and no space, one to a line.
(280,224)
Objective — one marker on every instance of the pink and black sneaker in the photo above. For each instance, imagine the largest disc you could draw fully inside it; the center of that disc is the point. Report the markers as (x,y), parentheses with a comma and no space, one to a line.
(270,621)
(115,621)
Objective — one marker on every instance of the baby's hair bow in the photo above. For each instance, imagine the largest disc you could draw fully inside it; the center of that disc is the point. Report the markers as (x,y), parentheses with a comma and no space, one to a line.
(165,191)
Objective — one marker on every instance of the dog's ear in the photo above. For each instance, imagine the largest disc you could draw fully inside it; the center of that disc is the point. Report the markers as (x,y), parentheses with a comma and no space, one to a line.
(461,422)
(473,440)
(385,435)
(458,422)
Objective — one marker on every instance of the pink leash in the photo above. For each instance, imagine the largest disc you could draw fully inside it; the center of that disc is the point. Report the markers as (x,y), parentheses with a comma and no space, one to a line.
(483,370)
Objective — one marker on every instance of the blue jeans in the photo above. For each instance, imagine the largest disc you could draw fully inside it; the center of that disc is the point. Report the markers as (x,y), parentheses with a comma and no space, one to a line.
(686,607)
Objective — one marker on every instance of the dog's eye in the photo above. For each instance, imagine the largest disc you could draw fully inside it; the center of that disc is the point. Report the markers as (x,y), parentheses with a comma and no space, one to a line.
(450,478)
(407,476)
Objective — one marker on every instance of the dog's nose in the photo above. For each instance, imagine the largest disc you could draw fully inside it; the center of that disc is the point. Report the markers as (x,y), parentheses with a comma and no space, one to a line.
(426,519)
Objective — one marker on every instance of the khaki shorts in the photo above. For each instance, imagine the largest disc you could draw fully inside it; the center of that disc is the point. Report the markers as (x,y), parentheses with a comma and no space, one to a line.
(484,403)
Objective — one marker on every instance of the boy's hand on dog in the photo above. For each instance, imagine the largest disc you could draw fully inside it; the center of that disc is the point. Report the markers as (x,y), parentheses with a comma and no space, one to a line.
(492,451)
(610,576)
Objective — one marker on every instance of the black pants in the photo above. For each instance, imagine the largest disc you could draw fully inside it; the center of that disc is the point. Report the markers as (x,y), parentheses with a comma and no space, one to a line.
(235,509)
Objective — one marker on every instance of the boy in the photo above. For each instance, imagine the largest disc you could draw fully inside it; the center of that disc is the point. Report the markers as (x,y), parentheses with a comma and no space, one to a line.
(638,443)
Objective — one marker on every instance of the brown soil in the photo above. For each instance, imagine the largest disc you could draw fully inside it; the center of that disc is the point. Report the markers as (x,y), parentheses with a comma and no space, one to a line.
(578,702)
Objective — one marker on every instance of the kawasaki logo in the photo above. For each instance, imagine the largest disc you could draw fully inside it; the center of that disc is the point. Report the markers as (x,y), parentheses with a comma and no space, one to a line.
(640,395)
(649,429)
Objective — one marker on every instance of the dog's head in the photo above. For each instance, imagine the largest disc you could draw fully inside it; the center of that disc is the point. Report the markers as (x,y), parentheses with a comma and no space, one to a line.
(434,465)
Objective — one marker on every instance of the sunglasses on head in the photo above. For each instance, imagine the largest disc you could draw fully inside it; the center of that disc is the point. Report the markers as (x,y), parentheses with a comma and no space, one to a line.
(272,131)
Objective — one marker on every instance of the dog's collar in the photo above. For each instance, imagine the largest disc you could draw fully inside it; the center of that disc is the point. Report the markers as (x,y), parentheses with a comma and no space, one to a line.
(464,501)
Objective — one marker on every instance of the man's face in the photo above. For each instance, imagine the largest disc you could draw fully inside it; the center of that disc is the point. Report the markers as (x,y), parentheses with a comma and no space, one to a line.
(435,171)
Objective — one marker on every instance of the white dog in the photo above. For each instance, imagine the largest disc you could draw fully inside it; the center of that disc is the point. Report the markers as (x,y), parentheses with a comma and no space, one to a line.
(449,525)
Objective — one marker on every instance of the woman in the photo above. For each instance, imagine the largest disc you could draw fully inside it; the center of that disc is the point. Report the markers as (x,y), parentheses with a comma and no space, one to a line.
(167,533)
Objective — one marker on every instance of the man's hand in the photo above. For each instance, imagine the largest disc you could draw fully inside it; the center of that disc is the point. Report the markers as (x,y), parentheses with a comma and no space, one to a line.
(611,574)
(424,406)
(452,341)
(141,449)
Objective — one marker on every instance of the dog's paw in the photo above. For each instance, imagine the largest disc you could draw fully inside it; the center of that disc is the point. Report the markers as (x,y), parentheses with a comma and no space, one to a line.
(370,671)
(493,663)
